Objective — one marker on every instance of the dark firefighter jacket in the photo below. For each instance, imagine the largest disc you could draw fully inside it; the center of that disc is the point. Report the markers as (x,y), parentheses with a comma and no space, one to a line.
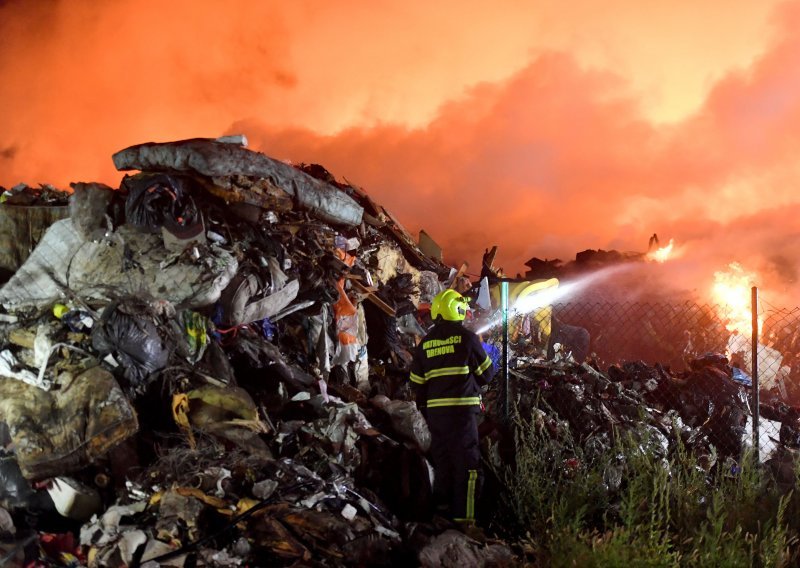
(449,367)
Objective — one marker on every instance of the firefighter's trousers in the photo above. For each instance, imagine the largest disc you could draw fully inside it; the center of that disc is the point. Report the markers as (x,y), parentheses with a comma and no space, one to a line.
(456,459)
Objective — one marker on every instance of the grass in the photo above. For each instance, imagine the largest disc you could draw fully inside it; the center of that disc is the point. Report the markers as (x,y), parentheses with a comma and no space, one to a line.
(627,505)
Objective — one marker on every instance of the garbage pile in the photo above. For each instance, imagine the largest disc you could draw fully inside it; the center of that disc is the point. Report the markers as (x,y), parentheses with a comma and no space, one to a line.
(705,410)
(25,213)
(208,366)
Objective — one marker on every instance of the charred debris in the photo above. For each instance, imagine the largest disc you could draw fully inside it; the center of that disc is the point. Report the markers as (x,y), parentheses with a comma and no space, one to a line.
(207,366)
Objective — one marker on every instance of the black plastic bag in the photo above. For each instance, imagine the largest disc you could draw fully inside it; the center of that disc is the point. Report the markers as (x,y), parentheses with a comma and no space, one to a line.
(156,200)
(134,341)
(16,492)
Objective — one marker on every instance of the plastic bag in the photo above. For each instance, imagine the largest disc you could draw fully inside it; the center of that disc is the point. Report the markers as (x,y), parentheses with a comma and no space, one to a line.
(407,420)
(134,341)
(156,200)
(16,492)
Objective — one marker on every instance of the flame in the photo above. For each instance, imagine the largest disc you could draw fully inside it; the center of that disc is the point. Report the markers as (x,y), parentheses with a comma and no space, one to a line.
(732,294)
(663,253)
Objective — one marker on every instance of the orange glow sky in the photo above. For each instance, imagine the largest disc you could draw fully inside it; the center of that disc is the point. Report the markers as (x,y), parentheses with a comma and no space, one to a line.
(545,127)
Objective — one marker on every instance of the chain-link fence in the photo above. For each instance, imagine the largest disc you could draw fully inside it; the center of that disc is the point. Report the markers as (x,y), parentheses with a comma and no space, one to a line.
(682,371)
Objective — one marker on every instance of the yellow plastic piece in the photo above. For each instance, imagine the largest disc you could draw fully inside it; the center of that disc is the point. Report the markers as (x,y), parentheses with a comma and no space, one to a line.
(59,310)
(180,411)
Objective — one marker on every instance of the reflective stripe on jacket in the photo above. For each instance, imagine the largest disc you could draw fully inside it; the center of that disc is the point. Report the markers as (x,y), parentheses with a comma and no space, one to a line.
(449,367)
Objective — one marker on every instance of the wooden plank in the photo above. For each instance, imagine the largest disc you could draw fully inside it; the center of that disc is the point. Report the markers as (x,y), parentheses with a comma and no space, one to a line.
(365,199)
(459,274)
(370,295)
(397,224)
(371,220)
(488,259)
(409,247)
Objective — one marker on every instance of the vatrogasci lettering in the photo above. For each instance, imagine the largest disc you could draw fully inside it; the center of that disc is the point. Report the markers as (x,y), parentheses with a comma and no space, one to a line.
(436,347)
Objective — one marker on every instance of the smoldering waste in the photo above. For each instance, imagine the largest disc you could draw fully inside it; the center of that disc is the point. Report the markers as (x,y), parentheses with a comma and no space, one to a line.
(208,365)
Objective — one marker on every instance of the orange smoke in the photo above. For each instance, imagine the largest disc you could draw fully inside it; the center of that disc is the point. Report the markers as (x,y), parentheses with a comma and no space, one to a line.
(537,129)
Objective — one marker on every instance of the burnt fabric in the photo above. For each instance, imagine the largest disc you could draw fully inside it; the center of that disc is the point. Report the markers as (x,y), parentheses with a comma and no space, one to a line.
(64,430)
(449,368)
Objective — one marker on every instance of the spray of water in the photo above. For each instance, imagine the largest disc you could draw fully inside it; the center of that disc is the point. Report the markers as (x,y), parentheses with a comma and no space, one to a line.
(550,296)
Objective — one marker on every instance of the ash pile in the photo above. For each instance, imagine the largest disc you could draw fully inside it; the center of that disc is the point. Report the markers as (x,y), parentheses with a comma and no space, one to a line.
(209,366)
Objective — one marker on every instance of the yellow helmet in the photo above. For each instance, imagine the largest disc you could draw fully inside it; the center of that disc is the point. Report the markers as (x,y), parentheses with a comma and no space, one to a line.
(449,305)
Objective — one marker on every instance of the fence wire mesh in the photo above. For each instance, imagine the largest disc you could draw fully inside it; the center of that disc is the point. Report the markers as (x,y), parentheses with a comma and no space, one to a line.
(680,370)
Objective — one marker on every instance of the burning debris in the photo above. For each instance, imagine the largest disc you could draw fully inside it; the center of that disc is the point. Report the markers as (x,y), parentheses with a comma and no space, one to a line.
(209,366)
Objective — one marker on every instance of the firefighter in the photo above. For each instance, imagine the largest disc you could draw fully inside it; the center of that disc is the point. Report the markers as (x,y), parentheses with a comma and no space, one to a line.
(447,372)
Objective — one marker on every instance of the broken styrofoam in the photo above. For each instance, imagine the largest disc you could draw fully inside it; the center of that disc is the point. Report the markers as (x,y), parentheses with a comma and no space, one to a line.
(349,512)
(74,499)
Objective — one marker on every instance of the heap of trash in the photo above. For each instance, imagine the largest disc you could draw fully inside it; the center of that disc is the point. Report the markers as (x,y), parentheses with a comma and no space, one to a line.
(208,366)
(210,361)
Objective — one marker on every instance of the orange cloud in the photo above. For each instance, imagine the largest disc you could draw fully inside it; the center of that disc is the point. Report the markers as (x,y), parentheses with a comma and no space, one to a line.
(559,158)
(455,116)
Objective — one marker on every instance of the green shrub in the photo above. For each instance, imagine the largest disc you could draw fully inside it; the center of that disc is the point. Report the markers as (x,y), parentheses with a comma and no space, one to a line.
(667,510)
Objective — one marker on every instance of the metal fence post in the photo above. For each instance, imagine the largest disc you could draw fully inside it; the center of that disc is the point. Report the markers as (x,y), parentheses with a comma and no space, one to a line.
(754,367)
(504,304)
